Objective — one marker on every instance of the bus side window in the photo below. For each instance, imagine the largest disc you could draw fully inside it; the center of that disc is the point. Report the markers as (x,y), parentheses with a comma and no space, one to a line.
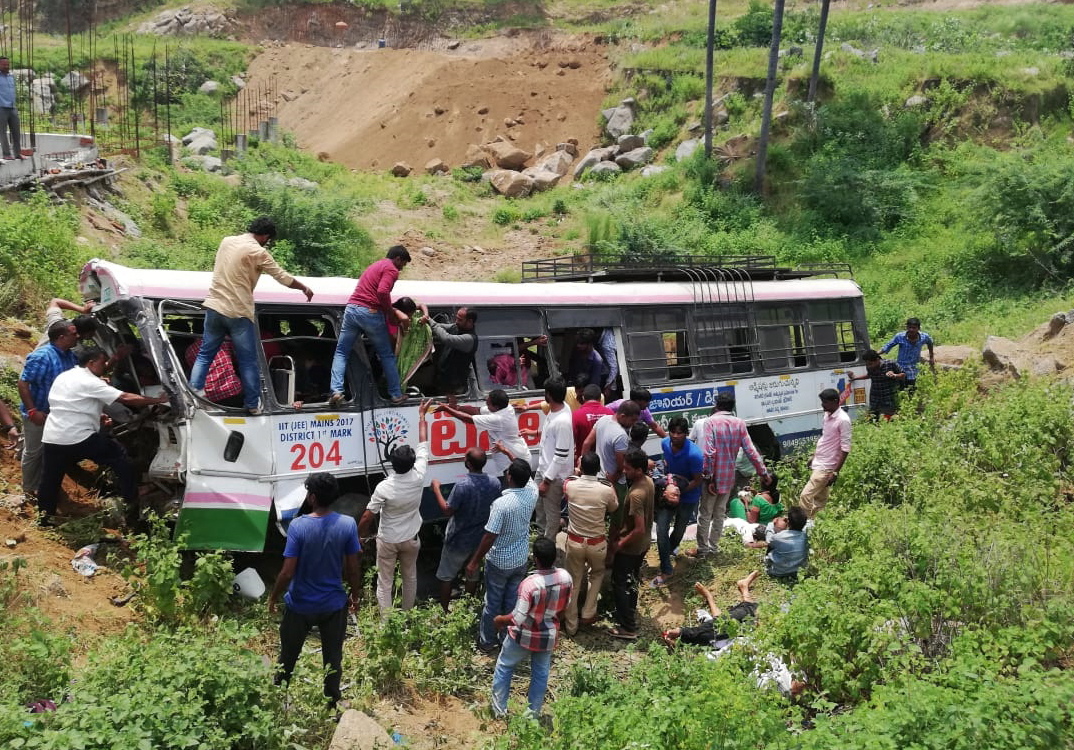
(658,344)
(725,342)
(831,325)
(782,338)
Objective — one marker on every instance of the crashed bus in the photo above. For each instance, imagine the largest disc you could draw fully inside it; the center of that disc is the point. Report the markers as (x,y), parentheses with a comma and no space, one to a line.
(686,329)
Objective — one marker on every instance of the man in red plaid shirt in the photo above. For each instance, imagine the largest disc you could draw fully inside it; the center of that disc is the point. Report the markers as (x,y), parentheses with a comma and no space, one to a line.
(722,435)
(222,382)
(532,628)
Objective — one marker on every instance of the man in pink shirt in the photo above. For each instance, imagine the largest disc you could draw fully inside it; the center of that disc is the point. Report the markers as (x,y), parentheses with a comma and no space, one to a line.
(368,311)
(831,452)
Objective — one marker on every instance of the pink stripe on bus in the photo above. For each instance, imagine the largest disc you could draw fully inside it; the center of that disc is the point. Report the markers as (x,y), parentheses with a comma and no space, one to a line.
(237,499)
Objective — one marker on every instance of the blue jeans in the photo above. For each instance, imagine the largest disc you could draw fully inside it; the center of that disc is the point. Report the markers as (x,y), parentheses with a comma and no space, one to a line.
(244,338)
(501,593)
(669,536)
(511,655)
(358,319)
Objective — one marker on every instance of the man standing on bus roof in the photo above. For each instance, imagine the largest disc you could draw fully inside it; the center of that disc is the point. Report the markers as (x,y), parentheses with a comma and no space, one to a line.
(42,367)
(229,308)
(910,343)
(722,435)
(830,454)
(368,311)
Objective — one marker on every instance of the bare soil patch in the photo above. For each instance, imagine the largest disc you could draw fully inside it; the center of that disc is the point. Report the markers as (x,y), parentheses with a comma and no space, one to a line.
(368,109)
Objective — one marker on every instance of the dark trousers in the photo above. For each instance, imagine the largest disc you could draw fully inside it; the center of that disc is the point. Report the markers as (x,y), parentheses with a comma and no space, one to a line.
(671,523)
(626,574)
(102,450)
(294,628)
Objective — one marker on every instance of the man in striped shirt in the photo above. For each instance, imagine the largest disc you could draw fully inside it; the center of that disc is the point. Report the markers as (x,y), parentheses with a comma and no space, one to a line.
(532,627)
(721,437)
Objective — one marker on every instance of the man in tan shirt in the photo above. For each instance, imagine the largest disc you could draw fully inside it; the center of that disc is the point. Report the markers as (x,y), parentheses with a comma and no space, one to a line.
(229,308)
(589,501)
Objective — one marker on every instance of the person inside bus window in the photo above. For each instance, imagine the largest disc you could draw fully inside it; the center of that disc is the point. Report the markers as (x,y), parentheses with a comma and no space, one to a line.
(271,333)
(368,311)
(503,366)
(455,347)
(610,375)
(585,360)
(240,261)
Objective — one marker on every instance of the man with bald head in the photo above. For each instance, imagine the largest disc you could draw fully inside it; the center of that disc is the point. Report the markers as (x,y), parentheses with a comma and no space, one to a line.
(468,508)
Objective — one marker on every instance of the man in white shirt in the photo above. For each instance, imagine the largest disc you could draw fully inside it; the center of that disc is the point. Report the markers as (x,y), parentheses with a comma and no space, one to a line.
(77,399)
(501,422)
(556,459)
(397,500)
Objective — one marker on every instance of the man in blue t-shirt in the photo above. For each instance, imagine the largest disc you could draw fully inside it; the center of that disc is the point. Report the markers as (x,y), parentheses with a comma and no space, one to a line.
(684,464)
(468,508)
(322,547)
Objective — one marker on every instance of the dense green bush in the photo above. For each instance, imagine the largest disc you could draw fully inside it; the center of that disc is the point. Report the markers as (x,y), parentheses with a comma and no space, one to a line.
(39,257)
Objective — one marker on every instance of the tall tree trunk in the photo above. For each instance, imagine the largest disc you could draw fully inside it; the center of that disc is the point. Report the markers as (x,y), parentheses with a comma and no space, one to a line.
(710,43)
(769,93)
(820,49)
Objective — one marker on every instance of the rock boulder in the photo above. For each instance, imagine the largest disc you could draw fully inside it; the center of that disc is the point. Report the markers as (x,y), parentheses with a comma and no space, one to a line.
(358,731)
(507,155)
(511,184)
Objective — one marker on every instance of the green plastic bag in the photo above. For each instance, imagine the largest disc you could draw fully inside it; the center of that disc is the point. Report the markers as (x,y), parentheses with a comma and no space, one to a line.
(413,348)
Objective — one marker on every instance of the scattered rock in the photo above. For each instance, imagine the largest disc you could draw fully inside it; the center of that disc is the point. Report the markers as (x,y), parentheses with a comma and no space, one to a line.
(288,95)
(506,155)
(476,157)
(436,166)
(872,56)
(543,179)
(511,184)
(948,355)
(207,21)
(653,169)
(635,158)
(687,148)
(75,82)
(428,252)
(606,167)
(569,147)
(1004,355)
(22,331)
(55,587)
(558,162)
(211,87)
(620,119)
(438,110)
(915,101)
(594,157)
(454,44)
(358,731)
(401,169)
(483,110)
(238,83)
(200,140)
(629,143)
(1031,71)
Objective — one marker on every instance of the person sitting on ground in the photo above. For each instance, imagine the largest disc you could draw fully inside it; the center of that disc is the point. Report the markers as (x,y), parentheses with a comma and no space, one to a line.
(763,507)
(712,632)
(788,546)
(642,397)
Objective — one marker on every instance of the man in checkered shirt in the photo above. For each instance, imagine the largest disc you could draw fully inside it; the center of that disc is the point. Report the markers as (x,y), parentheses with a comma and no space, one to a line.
(532,629)
(721,436)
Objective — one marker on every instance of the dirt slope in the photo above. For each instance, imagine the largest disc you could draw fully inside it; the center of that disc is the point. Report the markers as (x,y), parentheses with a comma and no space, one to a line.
(368,109)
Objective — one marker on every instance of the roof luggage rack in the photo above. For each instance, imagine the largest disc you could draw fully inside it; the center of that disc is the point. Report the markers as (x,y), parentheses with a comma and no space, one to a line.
(670,267)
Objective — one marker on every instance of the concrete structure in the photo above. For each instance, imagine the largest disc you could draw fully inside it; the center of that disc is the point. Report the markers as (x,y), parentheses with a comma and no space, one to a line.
(54,151)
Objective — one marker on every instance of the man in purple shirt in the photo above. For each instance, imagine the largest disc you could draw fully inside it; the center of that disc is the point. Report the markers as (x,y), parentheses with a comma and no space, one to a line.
(643,397)
(366,313)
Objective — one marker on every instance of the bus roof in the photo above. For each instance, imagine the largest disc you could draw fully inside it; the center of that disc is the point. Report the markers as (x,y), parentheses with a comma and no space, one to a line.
(118,281)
